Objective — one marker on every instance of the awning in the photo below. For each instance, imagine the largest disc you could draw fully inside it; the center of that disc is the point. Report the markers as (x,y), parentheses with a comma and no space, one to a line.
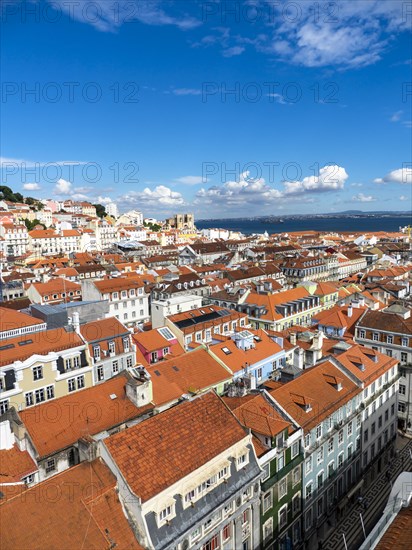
(356,488)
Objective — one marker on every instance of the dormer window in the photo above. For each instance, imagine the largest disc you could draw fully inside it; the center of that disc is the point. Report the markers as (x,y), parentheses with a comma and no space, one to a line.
(165,514)
(112,347)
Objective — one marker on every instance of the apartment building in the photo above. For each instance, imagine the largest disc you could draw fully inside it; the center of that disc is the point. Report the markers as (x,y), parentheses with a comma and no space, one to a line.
(308,268)
(110,345)
(55,291)
(160,309)
(277,440)
(200,325)
(389,331)
(181,493)
(251,355)
(282,309)
(377,375)
(49,242)
(326,405)
(127,298)
(61,433)
(16,238)
(41,366)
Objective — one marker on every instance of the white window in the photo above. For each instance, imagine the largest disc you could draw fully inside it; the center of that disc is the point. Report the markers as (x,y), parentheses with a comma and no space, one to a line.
(283,516)
(115,367)
(350,429)
(308,493)
(100,373)
(29,399)
(296,476)
(165,513)
(308,465)
(283,488)
(241,461)
(50,392)
(307,440)
(280,461)
(319,431)
(71,384)
(37,373)
(40,395)
(267,501)
(340,437)
(320,455)
(295,449)
(330,445)
(80,382)
(96,352)
(268,530)
(112,347)
(4,406)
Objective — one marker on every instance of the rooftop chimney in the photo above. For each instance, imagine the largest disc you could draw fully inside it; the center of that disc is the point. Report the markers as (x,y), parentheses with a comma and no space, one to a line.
(350,311)
(6,436)
(293,338)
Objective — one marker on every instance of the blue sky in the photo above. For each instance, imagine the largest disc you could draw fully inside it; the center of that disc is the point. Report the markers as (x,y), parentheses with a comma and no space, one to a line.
(221,108)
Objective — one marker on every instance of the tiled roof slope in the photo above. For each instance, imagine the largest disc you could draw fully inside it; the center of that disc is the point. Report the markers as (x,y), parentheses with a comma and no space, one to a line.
(314,389)
(82,511)
(22,347)
(87,412)
(171,445)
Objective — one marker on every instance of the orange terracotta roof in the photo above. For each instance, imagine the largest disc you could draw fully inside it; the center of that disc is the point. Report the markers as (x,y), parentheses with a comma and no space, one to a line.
(10,320)
(270,301)
(237,358)
(151,340)
(87,513)
(312,389)
(56,286)
(15,465)
(399,533)
(171,445)
(22,347)
(103,329)
(86,412)
(359,355)
(120,283)
(258,415)
(189,373)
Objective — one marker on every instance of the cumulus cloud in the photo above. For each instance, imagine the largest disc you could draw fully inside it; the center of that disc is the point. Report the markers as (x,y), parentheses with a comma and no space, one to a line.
(401,175)
(63,187)
(396,117)
(360,197)
(31,186)
(330,178)
(247,194)
(161,197)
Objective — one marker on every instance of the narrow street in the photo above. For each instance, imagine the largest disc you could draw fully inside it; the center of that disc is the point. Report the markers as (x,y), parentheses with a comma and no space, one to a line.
(376,495)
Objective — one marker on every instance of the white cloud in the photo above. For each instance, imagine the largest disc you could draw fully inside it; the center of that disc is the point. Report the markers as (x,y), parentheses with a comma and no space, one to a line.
(108,16)
(360,197)
(104,200)
(31,186)
(233,51)
(63,187)
(278,98)
(191,180)
(253,195)
(396,116)
(330,178)
(161,197)
(404,198)
(186,91)
(356,184)
(401,175)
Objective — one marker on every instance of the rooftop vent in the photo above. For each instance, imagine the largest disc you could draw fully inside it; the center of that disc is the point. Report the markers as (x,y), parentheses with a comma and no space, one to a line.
(113,396)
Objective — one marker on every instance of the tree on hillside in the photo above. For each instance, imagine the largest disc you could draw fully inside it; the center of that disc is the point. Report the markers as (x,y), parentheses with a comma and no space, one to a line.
(32,224)
(100,210)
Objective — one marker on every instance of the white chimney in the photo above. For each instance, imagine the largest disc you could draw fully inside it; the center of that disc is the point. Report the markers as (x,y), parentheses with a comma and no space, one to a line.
(350,311)
(293,338)
(6,436)
(76,321)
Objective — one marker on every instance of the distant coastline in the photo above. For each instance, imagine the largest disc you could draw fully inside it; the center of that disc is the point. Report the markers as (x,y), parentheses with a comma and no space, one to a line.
(340,223)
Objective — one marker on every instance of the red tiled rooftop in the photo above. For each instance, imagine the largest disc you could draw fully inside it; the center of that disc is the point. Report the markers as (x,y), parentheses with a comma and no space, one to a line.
(171,445)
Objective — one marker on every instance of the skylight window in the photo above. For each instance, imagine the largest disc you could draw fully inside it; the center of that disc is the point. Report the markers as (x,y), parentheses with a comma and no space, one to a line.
(226,351)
